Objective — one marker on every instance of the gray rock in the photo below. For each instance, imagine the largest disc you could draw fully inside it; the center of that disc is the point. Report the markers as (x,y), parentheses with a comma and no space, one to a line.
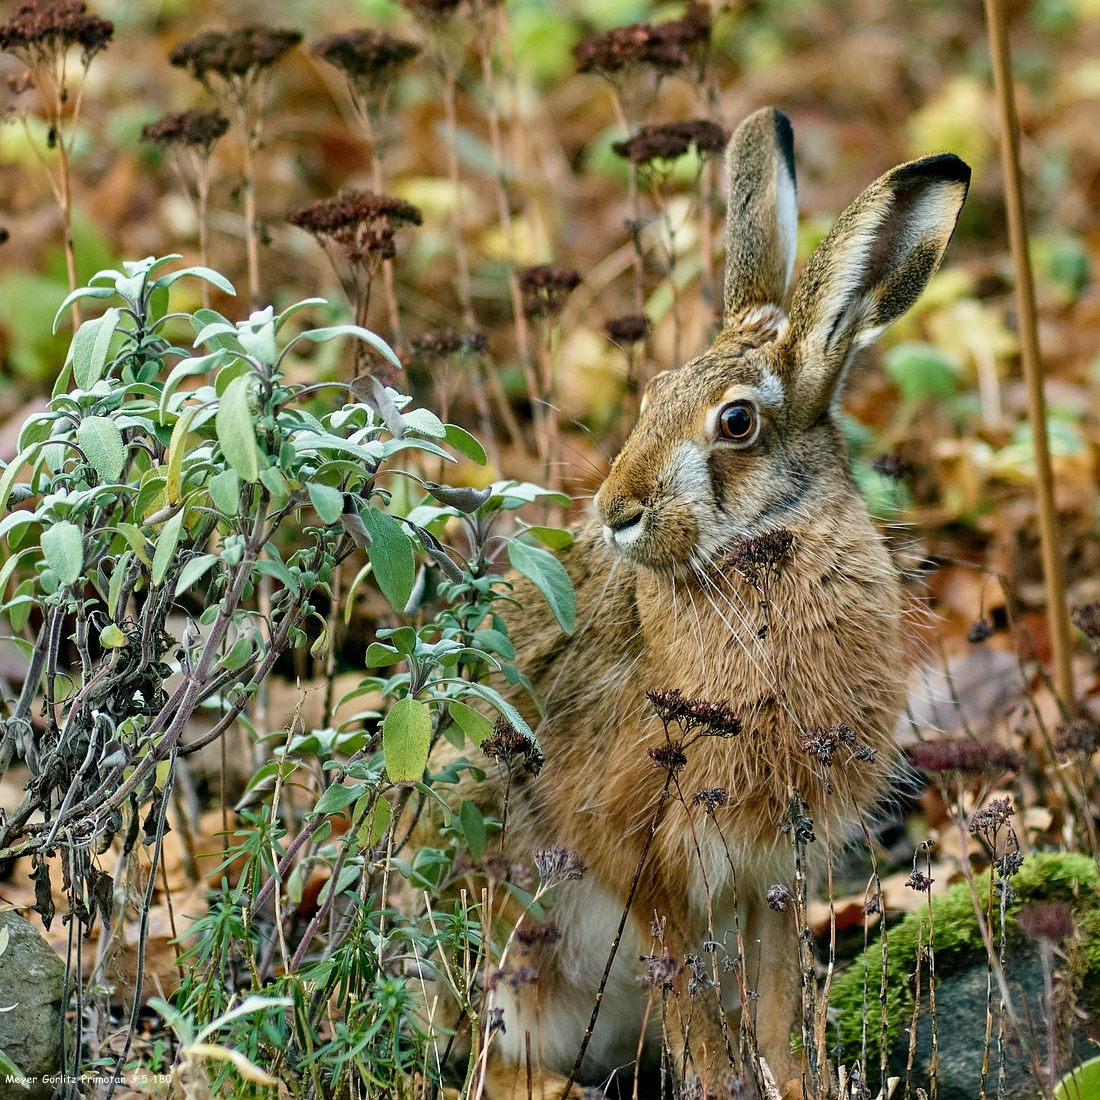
(960,1034)
(32,980)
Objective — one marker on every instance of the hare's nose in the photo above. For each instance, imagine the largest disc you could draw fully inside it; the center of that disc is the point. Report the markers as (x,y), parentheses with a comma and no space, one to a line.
(624,520)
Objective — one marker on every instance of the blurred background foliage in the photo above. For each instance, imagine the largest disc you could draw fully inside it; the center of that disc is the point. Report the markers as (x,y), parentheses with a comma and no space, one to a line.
(867,83)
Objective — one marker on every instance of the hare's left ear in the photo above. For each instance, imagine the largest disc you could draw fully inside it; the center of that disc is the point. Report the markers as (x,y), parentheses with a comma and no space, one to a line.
(761,221)
(870,268)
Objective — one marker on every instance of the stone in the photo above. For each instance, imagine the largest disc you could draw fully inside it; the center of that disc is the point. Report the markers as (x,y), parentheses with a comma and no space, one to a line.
(32,981)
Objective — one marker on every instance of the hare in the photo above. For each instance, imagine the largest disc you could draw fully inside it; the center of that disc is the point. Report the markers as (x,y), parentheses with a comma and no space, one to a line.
(736,445)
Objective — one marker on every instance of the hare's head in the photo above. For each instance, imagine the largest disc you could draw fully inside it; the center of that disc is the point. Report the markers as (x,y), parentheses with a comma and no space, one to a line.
(744,439)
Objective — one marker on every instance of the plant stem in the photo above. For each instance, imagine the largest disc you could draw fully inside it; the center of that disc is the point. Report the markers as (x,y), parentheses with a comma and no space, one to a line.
(1050,538)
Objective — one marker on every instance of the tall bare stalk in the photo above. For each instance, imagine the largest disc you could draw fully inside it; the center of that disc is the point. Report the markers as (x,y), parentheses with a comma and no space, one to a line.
(1031,361)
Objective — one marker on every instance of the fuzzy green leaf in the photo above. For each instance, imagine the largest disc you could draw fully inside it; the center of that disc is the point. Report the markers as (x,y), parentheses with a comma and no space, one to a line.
(90,346)
(327,502)
(101,442)
(549,576)
(165,551)
(236,434)
(391,554)
(406,738)
(63,545)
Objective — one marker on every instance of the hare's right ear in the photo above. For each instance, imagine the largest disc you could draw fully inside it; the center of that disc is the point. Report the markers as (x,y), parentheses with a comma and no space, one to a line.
(870,268)
(761,221)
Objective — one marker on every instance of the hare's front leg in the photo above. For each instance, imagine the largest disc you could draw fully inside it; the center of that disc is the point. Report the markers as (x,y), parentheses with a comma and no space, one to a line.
(772,949)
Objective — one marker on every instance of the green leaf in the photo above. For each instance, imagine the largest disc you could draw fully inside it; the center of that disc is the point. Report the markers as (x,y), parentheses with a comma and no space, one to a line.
(20,610)
(187,369)
(391,554)
(90,346)
(554,537)
(238,655)
(549,576)
(236,434)
(112,636)
(63,545)
(101,441)
(225,492)
(406,738)
(473,828)
(372,830)
(13,470)
(1082,1083)
(338,797)
(207,274)
(193,571)
(76,295)
(327,502)
(166,544)
(114,589)
(472,722)
(381,656)
(9,1068)
(920,370)
(321,335)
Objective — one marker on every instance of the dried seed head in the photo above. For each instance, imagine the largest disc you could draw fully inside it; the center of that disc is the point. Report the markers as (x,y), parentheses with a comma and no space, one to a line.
(40,29)
(670,756)
(992,817)
(368,58)
(535,935)
(757,559)
(238,53)
(661,971)
(710,798)
(1046,920)
(1080,736)
(873,904)
(820,743)
(195,129)
(1010,862)
(349,210)
(979,631)
(778,897)
(444,342)
(510,746)
(965,755)
(712,719)
(665,46)
(557,865)
(892,466)
(628,330)
(671,140)
(917,880)
(866,754)
(545,289)
(1086,617)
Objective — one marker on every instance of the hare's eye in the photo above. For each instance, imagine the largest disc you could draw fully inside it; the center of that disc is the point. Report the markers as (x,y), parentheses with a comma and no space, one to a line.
(737,422)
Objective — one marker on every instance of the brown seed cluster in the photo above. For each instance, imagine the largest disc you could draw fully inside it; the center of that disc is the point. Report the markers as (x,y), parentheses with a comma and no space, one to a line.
(230,54)
(193,129)
(979,631)
(557,865)
(964,755)
(661,971)
(757,559)
(509,746)
(444,342)
(713,719)
(919,881)
(1086,617)
(1081,736)
(359,222)
(545,289)
(40,29)
(993,817)
(665,46)
(671,140)
(778,897)
(1046,920)
(710,798)
(368,58)
(628,330)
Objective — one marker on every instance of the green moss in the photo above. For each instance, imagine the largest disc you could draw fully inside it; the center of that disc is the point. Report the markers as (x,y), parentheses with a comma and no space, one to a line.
(1047,876)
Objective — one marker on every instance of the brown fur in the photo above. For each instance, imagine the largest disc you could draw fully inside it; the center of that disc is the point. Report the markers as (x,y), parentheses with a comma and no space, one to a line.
(657,608)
